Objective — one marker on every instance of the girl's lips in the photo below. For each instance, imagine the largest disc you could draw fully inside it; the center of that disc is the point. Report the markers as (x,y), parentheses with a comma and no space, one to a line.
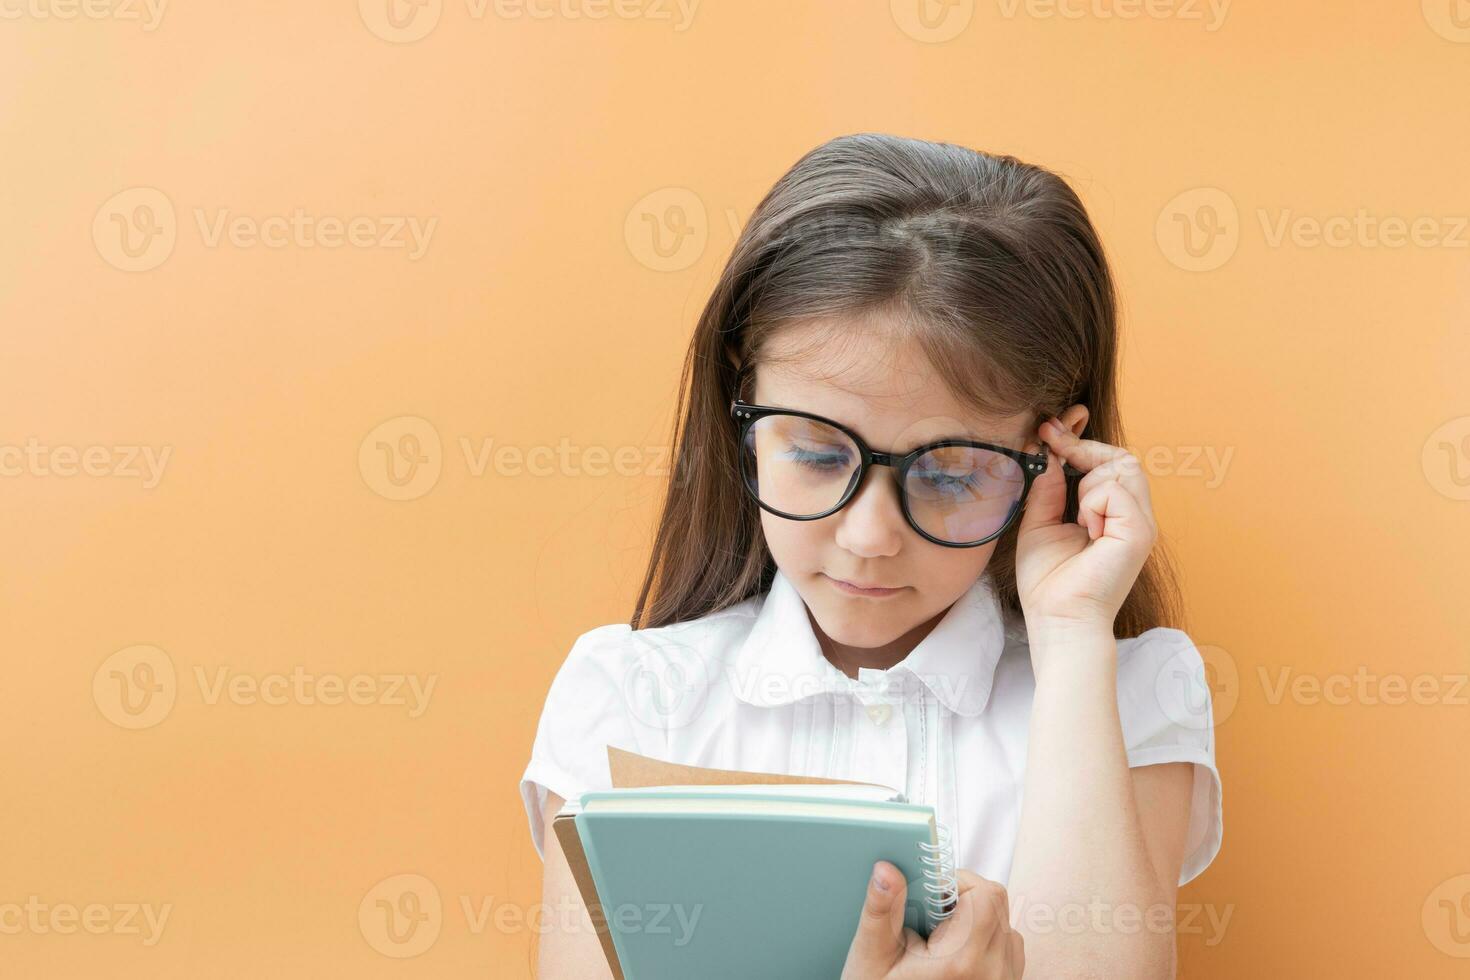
(851,589)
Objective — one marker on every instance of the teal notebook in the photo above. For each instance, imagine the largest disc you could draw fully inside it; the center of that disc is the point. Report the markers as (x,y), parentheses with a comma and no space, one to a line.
(765,881)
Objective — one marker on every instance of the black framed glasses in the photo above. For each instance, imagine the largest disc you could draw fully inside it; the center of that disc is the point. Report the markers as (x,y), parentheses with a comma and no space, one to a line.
(954,492)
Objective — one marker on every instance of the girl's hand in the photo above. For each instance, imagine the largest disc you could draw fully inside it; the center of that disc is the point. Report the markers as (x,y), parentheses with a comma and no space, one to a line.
(975,941)
(1074,577)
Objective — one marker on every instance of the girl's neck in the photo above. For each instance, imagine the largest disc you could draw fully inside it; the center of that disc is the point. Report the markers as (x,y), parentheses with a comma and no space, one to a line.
(848,659)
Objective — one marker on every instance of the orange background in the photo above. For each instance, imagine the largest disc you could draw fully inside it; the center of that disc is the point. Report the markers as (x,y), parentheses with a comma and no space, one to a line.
(543,310)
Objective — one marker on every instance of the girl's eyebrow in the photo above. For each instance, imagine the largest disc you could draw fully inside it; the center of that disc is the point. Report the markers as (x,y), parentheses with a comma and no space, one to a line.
(994,440)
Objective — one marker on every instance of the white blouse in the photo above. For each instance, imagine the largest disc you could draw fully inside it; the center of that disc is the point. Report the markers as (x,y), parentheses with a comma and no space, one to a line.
(748,688)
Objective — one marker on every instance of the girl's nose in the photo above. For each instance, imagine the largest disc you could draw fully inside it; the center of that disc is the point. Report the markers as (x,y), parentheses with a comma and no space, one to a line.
(871,525)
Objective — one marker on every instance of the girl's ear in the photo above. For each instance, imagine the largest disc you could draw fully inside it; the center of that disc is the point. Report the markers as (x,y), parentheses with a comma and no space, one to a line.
(742,383)
(1075,418)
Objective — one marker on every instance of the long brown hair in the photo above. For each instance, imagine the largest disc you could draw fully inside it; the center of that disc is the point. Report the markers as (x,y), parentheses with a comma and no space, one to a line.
(990,264)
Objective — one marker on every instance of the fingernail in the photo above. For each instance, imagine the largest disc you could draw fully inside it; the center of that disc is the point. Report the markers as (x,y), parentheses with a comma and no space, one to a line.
(878,882)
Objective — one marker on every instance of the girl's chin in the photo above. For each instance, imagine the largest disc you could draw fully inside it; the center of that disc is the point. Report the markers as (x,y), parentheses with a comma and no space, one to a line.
(852,629)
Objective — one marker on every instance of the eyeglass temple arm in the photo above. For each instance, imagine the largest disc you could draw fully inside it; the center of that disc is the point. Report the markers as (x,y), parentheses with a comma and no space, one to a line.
(1068,470)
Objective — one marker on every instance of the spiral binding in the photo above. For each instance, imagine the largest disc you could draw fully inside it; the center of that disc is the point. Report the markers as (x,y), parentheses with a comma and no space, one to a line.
(941,884)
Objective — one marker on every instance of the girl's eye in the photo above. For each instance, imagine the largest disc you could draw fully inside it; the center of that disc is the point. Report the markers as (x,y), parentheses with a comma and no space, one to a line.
(817,459)
(954,484)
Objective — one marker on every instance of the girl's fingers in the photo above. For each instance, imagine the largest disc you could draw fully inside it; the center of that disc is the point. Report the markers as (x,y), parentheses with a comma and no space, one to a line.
(1083,454)
(1017,955)
(1047,500)
(1110,510)
(880,937)
(1124,469)
(981,912)
(1099,461)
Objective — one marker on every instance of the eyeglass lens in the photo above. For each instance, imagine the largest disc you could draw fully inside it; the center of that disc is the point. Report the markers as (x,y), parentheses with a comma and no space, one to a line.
(803,468)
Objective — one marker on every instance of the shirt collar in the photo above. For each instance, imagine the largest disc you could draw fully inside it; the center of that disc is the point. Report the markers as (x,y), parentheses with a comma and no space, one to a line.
(780,660)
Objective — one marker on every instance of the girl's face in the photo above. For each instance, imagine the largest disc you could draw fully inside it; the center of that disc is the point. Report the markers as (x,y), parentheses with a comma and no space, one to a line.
(887,392)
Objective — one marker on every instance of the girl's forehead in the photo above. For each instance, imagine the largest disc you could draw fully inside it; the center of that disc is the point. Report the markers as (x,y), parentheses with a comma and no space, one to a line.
(893,403)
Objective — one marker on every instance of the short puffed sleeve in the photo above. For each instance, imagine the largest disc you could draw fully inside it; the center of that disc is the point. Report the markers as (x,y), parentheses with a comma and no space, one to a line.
(587,708)
(1167,713)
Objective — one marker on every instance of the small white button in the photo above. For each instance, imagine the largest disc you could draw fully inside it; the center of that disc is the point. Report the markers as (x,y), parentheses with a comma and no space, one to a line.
(880,713)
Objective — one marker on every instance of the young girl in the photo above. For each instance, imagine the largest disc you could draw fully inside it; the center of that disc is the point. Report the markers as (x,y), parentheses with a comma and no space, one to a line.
(903,546)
